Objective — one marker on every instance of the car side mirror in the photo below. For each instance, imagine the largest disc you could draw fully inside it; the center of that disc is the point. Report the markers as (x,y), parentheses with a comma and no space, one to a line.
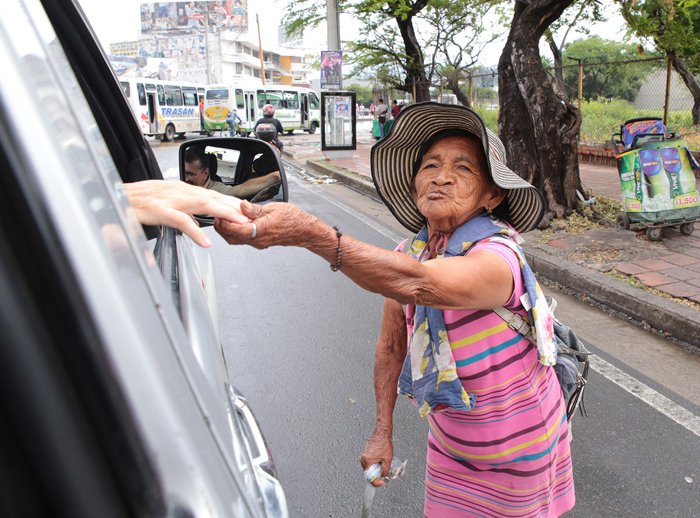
(247,168)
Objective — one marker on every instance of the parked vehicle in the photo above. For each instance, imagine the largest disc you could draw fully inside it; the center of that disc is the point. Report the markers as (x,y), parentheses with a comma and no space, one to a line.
(297,108)
(114,392)
(165,109)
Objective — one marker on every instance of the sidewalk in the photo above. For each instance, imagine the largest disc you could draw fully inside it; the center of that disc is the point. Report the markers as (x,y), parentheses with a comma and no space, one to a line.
(655,283)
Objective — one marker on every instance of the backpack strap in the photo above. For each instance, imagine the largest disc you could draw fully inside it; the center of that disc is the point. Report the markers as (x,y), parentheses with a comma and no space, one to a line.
(516,323)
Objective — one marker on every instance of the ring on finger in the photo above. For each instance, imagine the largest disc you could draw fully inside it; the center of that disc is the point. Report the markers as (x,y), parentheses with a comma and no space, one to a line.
(255,231)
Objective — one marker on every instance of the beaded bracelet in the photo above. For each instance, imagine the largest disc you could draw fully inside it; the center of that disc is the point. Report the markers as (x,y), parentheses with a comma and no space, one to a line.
(338,252)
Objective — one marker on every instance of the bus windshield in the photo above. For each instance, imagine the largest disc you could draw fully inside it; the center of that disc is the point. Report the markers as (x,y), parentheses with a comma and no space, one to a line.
(221,93)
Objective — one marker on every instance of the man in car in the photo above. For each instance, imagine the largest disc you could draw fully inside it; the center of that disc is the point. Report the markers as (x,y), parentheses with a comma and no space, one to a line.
(197,172)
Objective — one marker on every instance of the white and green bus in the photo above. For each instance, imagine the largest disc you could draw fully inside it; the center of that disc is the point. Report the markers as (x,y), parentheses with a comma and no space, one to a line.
(165,109)
(296,108)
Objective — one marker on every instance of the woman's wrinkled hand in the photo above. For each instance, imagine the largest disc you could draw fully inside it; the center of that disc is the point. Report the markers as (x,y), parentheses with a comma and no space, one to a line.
(273,224)
(172,203)
(378,450)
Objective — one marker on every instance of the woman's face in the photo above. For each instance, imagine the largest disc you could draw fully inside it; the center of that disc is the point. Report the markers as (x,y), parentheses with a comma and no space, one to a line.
(452,184)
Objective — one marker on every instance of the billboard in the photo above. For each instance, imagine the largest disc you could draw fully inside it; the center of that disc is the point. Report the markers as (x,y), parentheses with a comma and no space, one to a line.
(331,69)
(184,55)
(188,17)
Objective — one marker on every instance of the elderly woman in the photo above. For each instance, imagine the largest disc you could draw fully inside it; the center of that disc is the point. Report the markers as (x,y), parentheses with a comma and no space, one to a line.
(498,442)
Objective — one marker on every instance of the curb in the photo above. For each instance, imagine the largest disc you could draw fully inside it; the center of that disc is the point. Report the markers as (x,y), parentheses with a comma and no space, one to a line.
(679,321)
(352,180)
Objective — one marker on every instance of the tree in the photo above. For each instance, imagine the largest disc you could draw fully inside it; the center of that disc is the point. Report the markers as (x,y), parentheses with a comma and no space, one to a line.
(389,40)
(674,26)
(538,125)
(581,14)
(604,80)
(457,41)
(387,34)
(363,94)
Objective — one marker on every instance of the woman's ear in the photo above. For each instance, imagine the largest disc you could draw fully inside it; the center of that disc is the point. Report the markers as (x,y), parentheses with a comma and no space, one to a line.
(496,196)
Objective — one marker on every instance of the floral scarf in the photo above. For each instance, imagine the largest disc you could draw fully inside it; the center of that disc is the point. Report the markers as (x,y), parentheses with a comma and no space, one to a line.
(429,373)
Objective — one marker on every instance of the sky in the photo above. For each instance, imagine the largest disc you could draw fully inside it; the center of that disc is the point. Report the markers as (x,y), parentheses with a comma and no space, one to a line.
(122,23)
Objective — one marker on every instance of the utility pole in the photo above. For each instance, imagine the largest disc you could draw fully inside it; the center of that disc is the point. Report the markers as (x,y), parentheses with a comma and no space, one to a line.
(260,50)
(206,41)
(333,23)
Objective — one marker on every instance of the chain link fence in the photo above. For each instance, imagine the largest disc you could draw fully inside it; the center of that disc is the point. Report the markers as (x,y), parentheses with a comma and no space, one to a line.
(608,94)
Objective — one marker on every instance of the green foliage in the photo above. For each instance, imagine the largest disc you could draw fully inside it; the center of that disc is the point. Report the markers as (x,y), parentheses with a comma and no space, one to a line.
(673,25)
(603,118)
(490,117)
(363,93)
(436,36)
(612,82)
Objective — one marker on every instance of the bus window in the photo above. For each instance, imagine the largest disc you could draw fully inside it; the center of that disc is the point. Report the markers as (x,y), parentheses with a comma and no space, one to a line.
(262,98)
(239,99)
(125,88)
(292,100)
(220,94)
(190,96)
(275,99)
(161,95)
(173,95)
(141,93)
(150,87)
(313,101)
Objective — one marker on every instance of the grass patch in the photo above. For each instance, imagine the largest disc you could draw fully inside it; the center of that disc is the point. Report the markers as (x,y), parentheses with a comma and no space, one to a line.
(602,118)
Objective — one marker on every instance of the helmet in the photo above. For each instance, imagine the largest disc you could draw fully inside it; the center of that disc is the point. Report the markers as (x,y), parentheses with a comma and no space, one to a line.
(268,109)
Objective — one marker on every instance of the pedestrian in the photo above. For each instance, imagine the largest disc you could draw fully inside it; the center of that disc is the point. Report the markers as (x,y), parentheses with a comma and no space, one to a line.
(395,108)
(201,113)
(381,111)
(371,110)
(498,444)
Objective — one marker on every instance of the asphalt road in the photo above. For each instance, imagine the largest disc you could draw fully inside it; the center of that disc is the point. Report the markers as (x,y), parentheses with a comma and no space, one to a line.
(299,340)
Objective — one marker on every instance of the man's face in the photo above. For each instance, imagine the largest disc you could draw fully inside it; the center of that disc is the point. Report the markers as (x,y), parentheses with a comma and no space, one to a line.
(195,174)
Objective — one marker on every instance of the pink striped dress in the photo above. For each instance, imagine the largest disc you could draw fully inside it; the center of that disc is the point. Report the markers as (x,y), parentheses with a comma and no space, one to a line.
(509,456)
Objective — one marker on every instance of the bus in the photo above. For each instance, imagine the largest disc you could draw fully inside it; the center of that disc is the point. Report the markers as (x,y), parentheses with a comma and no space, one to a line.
(296,108)
(165,109)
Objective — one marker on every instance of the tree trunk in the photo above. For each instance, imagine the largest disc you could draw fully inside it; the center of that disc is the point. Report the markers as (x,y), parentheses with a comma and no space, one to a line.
(415,66)
(453,84)
(539,126)
(690,82)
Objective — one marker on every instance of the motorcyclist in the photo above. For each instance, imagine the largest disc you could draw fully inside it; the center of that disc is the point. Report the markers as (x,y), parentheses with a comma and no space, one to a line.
(269,118)
(268,132)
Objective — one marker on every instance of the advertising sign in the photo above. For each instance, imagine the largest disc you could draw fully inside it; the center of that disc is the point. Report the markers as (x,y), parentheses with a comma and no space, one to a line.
(331,69)
(658,177)
(184,17)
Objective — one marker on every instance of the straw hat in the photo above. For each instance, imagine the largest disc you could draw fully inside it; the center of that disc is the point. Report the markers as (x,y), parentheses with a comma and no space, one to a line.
(392,160)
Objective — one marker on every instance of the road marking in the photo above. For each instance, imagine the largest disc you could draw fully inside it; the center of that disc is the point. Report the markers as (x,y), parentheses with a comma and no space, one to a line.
(648,395)
(352,212)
